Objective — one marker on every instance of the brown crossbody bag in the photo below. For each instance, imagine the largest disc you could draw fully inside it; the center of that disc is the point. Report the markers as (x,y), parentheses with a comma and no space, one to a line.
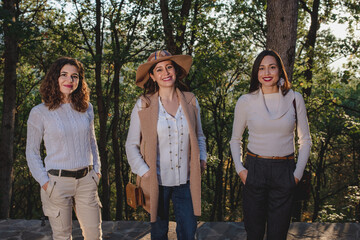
(134,194)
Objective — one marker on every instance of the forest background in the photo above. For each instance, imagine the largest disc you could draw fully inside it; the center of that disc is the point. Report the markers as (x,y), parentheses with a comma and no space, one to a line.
(113,37)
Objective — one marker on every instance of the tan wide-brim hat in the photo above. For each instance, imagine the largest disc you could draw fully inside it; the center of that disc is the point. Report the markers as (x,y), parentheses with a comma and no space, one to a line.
(142,73)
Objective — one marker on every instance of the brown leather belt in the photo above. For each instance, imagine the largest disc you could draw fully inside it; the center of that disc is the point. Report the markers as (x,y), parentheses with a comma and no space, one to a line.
(258,156)
(74,174)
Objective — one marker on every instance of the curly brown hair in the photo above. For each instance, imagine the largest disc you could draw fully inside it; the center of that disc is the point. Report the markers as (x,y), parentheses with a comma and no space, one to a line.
(50,89)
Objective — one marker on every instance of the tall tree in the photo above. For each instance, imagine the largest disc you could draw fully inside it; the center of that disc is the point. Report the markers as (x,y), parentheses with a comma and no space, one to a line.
(11,54)
(310,42)
(103,113)
(124,32)
(175,45)
(281,17)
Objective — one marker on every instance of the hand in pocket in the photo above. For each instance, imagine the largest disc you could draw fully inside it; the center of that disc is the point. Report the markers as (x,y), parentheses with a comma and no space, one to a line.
(243,175)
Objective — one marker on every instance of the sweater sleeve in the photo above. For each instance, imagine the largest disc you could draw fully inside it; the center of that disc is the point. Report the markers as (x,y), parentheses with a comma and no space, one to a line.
(93,144)
(136,161)
(200,135)
(239,126)
(304,139)
(35,132)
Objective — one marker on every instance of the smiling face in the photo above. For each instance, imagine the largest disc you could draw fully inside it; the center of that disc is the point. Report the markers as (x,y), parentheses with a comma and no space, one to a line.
(68,80)
(268,74)
(164,74)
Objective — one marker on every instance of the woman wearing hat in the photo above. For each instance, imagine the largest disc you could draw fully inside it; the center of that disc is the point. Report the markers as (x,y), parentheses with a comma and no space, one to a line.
(271,112)
(166,146)
(65,121)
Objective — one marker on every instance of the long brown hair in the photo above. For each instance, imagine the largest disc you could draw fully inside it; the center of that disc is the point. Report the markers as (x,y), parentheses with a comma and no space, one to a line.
(50,89)
(255,84)
(151,87)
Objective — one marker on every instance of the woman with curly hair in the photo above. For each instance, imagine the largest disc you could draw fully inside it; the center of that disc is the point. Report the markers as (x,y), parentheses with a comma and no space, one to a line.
(70,173)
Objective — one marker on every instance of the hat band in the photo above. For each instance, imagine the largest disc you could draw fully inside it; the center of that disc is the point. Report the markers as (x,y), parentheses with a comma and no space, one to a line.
(161,54)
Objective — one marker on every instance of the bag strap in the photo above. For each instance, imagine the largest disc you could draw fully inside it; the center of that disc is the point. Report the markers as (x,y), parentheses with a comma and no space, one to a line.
(130,176)
(136,182)
(296,125)
(294,104)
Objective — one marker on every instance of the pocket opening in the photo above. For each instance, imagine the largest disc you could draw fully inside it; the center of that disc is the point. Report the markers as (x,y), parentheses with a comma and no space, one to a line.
(96,183)
(52,189)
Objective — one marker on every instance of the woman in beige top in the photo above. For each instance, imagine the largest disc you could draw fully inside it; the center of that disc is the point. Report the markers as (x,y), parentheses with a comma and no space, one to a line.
(270,112)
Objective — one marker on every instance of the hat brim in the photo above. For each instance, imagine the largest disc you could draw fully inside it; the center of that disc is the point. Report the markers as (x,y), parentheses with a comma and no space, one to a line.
(142,73)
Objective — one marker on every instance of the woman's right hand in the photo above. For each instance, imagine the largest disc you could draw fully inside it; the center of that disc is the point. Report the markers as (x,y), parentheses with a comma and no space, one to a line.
(45,185)
(243,175)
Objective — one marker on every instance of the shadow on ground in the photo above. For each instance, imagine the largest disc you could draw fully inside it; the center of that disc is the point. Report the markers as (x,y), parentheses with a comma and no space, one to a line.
(18,229)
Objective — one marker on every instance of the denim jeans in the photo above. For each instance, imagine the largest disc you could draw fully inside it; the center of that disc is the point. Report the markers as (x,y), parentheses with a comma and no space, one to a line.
(186,221)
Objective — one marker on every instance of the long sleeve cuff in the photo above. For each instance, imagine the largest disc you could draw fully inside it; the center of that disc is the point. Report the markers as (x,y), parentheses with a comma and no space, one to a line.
(43,180)
(142,170)
(240,168)
(97,169)
(203,156)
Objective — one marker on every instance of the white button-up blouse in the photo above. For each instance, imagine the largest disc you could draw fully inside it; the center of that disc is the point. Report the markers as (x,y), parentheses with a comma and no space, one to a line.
(173,146)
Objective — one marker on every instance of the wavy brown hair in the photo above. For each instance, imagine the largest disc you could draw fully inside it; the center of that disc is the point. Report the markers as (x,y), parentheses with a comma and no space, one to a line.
(50,89)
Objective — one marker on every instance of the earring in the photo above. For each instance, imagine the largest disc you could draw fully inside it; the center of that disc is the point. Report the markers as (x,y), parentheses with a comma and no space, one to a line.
(281,82)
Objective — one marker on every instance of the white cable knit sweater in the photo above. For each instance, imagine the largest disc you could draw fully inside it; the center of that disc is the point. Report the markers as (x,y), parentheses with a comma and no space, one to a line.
(69,139)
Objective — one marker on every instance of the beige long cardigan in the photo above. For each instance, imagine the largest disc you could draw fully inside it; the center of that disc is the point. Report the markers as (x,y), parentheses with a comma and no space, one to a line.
(148,121)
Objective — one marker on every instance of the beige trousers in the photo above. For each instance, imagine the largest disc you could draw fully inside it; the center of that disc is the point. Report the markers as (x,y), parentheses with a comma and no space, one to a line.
(62,194)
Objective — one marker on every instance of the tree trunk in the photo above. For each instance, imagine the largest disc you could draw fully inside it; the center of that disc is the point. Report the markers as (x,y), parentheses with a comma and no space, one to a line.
(217,213)
(320,169)
(194,31)
(102,110)
(310,42)
(115,126)
(11,53)
(115,142)
(181,28)
(227,180)
(168,29)
(174,46)
(281,17)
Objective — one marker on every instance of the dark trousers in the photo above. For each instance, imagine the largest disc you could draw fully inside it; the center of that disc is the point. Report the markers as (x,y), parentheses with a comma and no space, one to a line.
(186,222)
(268,197)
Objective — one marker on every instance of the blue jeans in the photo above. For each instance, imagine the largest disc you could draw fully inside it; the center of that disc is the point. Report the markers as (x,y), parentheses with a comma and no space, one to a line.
(186,221)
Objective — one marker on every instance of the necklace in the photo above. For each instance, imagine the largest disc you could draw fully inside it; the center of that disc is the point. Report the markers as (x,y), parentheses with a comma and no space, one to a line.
(170,105)
(170,143)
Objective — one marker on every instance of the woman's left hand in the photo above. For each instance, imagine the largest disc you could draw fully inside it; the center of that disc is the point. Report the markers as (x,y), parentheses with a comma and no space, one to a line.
(296,180)
(202,165)
(99,175)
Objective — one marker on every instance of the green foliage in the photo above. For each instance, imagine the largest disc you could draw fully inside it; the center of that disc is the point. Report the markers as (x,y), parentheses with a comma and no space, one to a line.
(223,38)
(329,214)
